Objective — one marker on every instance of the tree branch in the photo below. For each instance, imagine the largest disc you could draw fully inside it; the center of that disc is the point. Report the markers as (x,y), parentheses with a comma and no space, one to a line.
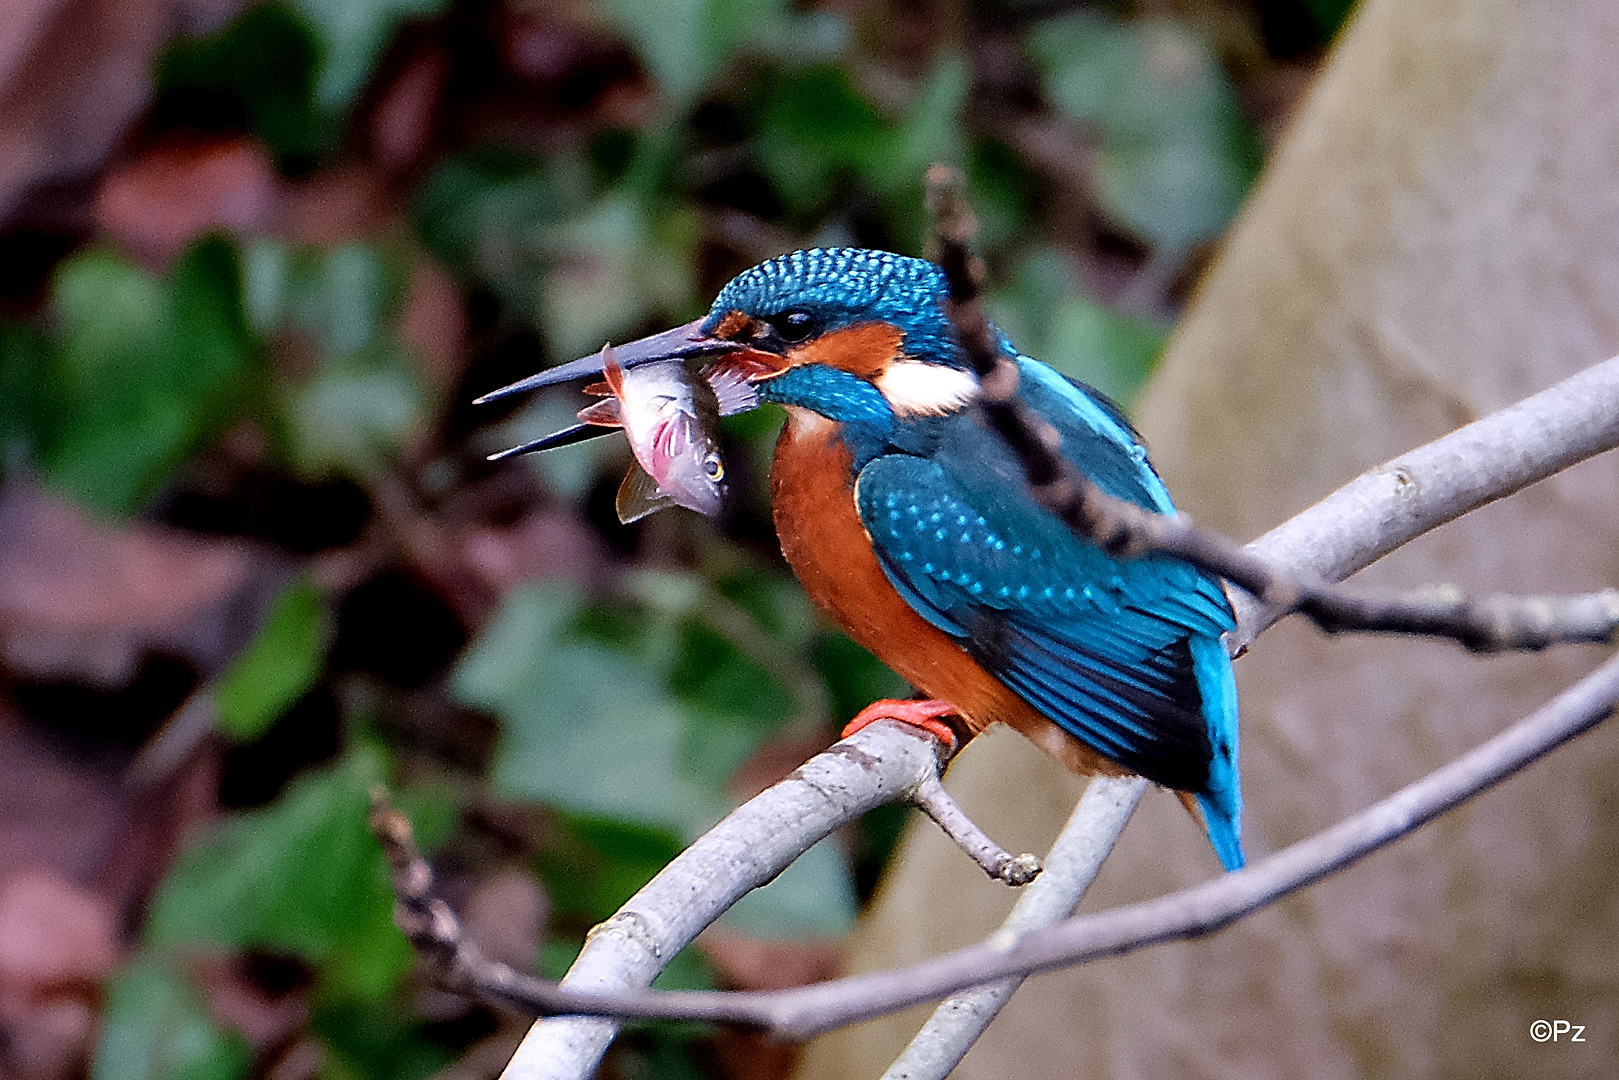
(1075,858)
(808,1011)
(932,799)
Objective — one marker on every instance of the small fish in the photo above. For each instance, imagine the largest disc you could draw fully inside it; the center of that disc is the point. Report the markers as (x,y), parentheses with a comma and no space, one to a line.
(670,416)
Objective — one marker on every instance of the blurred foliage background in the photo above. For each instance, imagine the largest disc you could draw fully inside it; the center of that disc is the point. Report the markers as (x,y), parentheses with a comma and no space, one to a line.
(255,260)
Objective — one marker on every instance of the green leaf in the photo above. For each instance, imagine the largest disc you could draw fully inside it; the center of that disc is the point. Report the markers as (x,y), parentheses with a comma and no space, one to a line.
(736,703)
(1329,16)
(303,876)
(814,897)
(259,71)
(1111,351)
(27,405)
(483,213)
(343,297)
(854,677)
(930,130)
(689,970)
(556,957)
(354,415)
(278,666)
(586,728)
(817,130)
(156,1027)
(376,1041)
(684,43)
(1176,155)
(611,267)
(365,398)
(352,35)
(595,864)
(813,126)
(149,368)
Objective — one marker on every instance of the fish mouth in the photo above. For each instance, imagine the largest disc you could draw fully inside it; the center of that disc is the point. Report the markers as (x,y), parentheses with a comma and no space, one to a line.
(681,343)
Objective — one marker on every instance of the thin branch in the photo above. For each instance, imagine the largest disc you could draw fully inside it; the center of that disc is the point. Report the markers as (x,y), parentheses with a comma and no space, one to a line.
(1075,858)
(1126,530)
(1396,502)
(933,800)
(808,1011)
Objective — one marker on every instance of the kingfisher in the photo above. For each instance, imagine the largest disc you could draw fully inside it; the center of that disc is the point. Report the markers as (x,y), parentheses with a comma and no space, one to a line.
(910,523)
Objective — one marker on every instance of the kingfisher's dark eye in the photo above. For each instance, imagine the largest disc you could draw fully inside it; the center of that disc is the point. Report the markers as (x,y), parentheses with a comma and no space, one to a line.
(793,326)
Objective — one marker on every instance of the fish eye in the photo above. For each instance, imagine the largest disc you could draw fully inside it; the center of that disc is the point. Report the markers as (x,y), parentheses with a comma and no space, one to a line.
(714,468)
(793,326)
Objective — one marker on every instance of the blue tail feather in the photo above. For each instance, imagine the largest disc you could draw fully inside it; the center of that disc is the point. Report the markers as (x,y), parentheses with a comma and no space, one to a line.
(1221,800)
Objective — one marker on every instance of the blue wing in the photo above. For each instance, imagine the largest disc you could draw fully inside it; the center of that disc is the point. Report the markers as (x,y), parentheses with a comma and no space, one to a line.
(1123,654)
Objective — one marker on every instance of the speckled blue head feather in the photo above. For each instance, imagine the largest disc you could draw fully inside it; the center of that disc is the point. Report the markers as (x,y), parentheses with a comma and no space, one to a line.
(843,286)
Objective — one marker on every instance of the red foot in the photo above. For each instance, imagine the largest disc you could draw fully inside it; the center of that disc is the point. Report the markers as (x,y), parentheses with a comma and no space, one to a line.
(923,714)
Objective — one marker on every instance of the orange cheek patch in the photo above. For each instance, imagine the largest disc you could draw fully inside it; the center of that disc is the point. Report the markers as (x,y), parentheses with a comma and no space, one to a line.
(732,325)
(865,349)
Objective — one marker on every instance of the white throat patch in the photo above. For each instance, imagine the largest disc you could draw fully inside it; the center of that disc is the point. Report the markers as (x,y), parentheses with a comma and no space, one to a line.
(917,388)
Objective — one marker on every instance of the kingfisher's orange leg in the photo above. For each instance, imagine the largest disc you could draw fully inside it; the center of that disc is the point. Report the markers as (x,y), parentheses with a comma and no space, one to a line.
(927,715)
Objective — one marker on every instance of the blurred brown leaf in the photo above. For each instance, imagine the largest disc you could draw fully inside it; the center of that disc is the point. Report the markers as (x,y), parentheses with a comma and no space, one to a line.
(74,75)
(433,325)
(58,942)
(83,599)
(751,964)
(177,192)
(402,122)
(348,202)
(506,916)
(266,1019)
(541,545)
(53,934)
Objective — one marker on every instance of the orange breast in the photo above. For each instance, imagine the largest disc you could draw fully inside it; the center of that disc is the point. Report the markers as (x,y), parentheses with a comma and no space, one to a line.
(830,551)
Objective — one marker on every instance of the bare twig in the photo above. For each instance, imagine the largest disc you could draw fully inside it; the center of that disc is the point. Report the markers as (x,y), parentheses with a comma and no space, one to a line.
(1075,858)
(432,927)
(1391,505)
(1126,530)
(933,800)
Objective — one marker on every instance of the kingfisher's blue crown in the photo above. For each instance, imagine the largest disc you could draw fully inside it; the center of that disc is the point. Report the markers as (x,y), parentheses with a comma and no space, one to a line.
(844,286)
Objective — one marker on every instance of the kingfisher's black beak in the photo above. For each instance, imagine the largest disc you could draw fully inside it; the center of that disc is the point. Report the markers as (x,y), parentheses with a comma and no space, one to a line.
(578,433)
(683,342)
